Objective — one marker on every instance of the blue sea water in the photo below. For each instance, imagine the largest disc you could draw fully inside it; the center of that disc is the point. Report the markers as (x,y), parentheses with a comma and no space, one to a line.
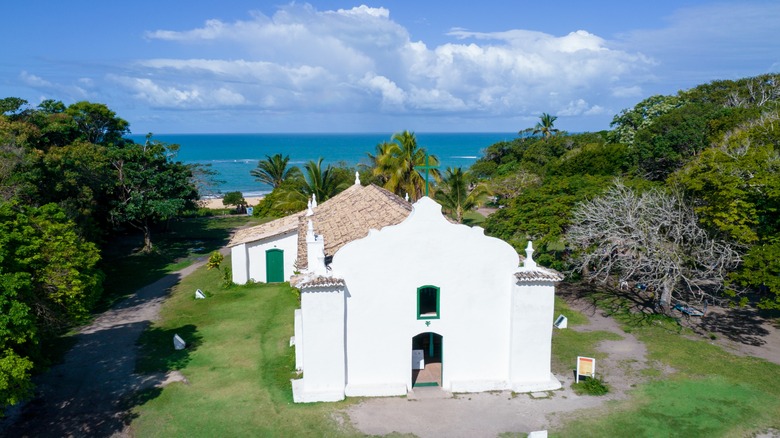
(232,156)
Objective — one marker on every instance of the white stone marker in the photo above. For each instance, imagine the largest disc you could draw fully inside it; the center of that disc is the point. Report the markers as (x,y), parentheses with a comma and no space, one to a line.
(199,294)
(561,322)
(178,342)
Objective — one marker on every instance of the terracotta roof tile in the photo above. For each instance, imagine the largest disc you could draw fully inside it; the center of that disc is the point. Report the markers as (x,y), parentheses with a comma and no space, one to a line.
(316,282)
(349,216)
(268,229)
(538,274)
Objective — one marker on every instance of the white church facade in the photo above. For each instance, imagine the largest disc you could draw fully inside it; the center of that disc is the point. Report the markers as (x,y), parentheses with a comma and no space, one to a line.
(418,301)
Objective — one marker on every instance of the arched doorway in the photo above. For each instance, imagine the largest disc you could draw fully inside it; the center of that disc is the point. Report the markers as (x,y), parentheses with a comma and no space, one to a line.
(427,359)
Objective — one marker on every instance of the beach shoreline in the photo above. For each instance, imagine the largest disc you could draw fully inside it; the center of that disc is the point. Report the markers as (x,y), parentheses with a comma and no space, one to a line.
(216,203)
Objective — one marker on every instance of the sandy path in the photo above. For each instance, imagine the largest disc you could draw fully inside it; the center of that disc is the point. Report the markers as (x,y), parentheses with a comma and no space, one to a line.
(432,413)
(89,394)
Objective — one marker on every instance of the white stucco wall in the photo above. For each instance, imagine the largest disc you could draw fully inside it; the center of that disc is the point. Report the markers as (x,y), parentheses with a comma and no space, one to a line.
(322,320)
(252,264)
(531,337)
(239,264)
(382,273)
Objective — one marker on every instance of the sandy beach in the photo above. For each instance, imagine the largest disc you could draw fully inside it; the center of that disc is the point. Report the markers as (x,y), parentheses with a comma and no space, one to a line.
(215,203)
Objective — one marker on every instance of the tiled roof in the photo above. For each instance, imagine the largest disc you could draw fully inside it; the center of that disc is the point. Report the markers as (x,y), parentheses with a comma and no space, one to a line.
(349,216)
(316,282)
(538,274)
(268,229)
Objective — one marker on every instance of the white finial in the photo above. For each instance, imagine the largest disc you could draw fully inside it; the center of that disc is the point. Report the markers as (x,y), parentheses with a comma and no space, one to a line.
(529,256)
(309,231)
(407,197)
(357,178)
(309,211)
(313,200)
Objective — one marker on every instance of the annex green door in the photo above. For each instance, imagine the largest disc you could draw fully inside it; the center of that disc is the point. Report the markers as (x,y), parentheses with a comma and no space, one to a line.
(274,266)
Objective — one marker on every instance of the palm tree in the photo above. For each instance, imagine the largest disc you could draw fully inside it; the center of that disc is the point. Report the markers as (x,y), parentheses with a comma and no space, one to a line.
(322,183)
(396,165)
(455,196)
(273,170)
(382,150)
(545,126)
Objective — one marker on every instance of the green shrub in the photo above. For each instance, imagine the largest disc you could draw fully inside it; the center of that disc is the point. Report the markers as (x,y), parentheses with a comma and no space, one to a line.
(590,386)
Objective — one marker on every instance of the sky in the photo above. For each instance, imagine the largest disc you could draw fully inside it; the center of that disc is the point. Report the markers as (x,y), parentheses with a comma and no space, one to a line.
(197,66)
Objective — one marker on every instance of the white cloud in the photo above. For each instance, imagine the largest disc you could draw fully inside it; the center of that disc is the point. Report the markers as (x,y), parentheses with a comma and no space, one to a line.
(75,92)
(631,91)
(173,97)
(34,81)
(302,59)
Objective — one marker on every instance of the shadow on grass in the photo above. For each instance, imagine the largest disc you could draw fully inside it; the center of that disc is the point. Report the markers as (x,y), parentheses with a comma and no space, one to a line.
(743,325)
(184,242)
(157,352)
(634,309)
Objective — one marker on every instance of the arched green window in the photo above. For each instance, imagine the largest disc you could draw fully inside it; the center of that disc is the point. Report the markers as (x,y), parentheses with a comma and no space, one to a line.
(428,302)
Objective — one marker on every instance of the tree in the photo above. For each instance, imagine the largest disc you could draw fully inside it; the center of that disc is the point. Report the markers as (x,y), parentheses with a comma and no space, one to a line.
(543,213)
(455,196)
(643,114)
(323,184)
(676,137)
(98,124)
(398,166)
(734,187)
(150,186)
(652,238)
(236,199)
(545,126)
(49,281)
(274,171)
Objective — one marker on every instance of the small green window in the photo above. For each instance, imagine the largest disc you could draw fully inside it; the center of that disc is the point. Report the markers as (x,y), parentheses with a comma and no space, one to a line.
(428,302)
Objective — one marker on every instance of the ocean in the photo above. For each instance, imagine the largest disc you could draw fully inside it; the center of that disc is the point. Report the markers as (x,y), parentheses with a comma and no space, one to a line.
(232,156)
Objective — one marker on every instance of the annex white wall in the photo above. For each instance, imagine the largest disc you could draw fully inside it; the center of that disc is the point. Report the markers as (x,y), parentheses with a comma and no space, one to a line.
(531,337)
(322,320)
(383,271)
(239,264)
(248,259)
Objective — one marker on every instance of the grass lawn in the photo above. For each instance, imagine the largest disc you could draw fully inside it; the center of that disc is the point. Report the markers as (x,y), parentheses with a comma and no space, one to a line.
(568,344)
(238,363)
(711,393)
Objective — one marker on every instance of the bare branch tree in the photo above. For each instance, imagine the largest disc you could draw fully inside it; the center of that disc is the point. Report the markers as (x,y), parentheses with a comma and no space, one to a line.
(650,238)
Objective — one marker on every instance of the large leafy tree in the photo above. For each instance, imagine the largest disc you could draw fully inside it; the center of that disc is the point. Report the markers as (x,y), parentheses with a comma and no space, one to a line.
(97,123)
(398,166)
(735,189)
(642,115)
(653,238)
(542,213)
(274,170)
(48,281)
(455,195)
(150,186)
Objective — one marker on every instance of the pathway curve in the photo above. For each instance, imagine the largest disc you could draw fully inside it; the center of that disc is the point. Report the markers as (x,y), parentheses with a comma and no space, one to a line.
(91,392)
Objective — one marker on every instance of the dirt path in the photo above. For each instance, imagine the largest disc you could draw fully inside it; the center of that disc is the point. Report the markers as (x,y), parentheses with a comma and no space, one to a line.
(432,413)
(90,393)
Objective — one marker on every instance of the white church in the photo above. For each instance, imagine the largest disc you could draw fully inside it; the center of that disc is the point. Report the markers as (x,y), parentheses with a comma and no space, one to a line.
(395,296)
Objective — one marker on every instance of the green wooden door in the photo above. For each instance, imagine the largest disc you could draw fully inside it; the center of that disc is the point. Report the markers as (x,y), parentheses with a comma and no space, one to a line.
(274,266)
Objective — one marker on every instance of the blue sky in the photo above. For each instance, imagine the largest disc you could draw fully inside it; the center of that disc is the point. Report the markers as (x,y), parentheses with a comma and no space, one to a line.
(376,66)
